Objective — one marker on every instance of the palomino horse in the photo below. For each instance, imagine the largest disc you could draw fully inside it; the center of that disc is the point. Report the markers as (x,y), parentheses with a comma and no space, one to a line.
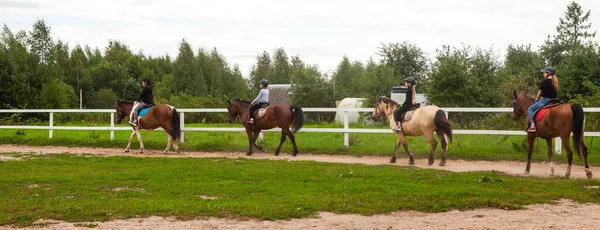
(163,116)
(558,121)
(281,116)
(424,121)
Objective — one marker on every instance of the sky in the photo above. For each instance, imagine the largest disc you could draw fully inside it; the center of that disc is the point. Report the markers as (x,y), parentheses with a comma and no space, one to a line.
(320,32)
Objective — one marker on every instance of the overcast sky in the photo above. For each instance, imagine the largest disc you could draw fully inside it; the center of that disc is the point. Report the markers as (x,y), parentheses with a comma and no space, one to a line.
(321,32)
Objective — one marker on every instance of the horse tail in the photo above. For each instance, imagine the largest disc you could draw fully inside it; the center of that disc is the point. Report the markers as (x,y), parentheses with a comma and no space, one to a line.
(442,124)
(298,118)
(175,126)
(578,118)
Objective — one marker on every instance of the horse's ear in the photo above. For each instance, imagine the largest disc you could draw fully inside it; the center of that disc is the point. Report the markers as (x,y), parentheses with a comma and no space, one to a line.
(514,94)
(228,102)
(118,102)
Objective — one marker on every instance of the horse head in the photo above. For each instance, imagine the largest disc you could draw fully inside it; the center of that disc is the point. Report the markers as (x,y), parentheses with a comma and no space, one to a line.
(237,108)
(382,106)
(123,109)
(520,103)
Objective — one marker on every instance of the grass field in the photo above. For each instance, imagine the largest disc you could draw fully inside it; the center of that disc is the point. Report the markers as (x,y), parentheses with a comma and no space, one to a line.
(468,147)
(94,188)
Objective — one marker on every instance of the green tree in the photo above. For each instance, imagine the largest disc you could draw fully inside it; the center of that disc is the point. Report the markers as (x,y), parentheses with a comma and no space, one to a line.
(107,99)
(406,60)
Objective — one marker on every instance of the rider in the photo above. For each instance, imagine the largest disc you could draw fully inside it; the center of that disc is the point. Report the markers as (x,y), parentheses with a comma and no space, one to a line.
(409,102)
(547,90)
(145,99)
(261,99)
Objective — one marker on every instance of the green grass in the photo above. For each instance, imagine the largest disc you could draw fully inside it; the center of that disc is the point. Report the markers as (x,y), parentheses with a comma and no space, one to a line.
(468,147)
(83,188)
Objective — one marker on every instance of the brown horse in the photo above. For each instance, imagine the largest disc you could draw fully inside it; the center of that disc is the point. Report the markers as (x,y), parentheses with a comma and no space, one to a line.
(281,116)
(424,121)
(163,116)
(559,121)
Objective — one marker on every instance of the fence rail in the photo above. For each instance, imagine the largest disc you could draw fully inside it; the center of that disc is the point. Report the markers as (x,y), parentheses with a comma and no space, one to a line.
(346,129)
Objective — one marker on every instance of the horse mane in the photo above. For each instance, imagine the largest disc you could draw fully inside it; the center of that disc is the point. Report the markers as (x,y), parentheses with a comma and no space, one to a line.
(241,100)
(386,100)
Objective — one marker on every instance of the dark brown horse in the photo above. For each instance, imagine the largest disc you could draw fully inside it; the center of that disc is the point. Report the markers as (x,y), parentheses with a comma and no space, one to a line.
(162,115)
(281,116)
(559,121)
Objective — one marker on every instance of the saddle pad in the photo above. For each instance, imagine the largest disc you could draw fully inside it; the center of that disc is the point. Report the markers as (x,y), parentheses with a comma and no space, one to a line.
(541,113)
(261,112)
(143,111)
(408,115)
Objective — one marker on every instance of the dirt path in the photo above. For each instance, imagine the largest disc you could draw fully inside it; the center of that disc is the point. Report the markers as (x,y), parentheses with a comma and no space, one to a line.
(509,167)
(535,217)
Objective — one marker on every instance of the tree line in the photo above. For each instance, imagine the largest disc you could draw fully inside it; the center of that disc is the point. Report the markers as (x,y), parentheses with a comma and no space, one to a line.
(38,71)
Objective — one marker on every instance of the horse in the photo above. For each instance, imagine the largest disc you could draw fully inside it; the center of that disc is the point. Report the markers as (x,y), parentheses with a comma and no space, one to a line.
(281,116)
(558,121)
(424,122)
(162,115)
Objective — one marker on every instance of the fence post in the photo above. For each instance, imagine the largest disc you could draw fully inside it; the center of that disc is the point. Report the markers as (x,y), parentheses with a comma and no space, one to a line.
(51,125)
(181,125)
(557,145)
(346,141)
(112,126)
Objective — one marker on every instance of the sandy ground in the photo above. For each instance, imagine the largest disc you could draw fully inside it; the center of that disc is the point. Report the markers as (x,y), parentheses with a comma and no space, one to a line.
(565,215)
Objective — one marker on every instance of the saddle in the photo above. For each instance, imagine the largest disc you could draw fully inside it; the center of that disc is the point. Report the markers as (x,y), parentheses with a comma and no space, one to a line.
(408,114)
(541,112)
(261,111)
(144,110)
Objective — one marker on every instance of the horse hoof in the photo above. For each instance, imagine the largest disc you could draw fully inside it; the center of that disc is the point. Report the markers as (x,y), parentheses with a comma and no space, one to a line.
(164,152)
(430,163)
(276,153)
(126,150)
(526,172)
(411,162)
(249,154)
(295,154)
(442,163)
(589,174)
(393,160)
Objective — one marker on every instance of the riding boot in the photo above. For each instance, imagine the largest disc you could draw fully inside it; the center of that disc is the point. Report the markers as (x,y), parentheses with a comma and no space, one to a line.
(531,128)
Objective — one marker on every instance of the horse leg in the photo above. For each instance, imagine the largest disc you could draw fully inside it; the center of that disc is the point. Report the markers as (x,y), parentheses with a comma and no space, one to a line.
(249,132)
(176,146)
(130,140)
(411,157)
(567,147)
(293,139)
(398,142)
(444,147)
(588,170)
(254,137)
(169,142)
(433,143)
(549,145)
(530,139)
(139,135)
(280,143)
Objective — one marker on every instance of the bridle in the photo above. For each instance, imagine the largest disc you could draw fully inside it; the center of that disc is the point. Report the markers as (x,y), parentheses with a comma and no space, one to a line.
(377,109)
(517,112)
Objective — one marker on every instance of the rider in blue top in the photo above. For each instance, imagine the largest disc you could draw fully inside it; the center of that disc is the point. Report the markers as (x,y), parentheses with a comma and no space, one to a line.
(261,99)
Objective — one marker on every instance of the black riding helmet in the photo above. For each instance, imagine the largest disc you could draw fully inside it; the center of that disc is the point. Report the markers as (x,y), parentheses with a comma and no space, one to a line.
(411,80)
(264,82)
(548,69)
(147,81)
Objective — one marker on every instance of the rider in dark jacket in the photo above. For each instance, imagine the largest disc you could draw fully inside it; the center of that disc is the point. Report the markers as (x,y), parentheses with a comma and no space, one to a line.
(409,82)
(145,99)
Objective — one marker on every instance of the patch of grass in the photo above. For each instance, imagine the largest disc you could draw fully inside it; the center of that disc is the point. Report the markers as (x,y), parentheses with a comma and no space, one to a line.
(467,147)
(90,189)
(86,225)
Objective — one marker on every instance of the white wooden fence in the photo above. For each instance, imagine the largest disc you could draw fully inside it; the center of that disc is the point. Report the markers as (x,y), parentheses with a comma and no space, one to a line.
(346,129)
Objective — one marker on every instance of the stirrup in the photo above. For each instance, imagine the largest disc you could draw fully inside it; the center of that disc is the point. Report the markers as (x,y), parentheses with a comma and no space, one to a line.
(250,121)
(399,128)
(132,123)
